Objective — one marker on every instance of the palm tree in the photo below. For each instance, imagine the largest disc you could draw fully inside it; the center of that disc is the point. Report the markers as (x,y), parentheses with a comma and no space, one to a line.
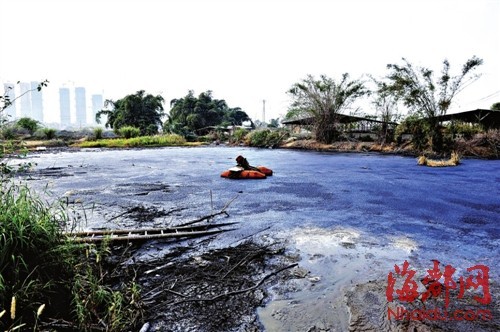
(323,100)
(427,96)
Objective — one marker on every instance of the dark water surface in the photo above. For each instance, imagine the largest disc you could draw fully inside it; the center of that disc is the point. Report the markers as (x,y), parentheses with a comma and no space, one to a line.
(450,214)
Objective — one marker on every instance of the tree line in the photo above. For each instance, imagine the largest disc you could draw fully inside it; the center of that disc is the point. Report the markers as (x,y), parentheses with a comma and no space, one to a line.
(425,95)
(423,92)
(189,115)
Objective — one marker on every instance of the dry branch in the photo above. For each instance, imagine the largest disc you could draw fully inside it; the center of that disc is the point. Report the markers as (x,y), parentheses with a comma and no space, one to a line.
(240,291)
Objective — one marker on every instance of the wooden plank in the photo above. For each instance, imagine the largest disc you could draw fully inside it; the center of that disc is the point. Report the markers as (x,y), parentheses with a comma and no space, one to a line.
(96,239)
(148,230)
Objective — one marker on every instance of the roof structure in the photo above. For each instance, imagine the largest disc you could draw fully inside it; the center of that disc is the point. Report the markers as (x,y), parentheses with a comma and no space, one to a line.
(342,118)
(488,118)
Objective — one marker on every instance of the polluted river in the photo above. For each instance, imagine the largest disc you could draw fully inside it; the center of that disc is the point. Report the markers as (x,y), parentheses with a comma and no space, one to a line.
(343,220)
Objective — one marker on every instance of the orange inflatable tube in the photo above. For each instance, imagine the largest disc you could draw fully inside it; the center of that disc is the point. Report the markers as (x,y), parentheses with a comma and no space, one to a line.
(265,170)
(243,175)
(240,173)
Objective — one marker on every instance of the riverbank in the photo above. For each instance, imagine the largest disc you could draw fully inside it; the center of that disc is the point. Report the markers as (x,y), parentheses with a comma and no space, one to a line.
(482,146)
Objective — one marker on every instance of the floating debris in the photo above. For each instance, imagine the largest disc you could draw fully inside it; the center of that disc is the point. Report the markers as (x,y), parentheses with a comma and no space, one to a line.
(453,161)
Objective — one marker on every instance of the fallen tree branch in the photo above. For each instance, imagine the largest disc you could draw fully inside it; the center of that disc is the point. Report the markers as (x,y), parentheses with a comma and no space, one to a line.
(247,258)
(207,217)
(251,235)
(240,291)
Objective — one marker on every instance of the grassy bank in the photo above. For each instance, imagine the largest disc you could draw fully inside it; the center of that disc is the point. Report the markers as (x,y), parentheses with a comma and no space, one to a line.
(141,141)
(43,274)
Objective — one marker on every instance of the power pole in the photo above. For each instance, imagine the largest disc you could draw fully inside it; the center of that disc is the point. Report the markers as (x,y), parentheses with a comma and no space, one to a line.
(264,111)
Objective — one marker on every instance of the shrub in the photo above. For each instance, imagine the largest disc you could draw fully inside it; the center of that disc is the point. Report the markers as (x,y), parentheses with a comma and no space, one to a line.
(160,140)
(464,130)
(258,138)
(129,132)
(8,132)
(151,129)
(418,128)
(29,124)
(49,133)
(98,132)
(266,137)
(238,135)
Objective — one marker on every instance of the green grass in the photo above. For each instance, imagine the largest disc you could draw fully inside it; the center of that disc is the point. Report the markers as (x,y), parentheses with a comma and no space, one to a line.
(149,141)
(40,266)
(29,242)
(266,137)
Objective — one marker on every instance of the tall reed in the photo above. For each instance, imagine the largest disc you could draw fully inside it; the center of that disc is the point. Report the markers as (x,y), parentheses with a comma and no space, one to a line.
(39,264)
(30,262)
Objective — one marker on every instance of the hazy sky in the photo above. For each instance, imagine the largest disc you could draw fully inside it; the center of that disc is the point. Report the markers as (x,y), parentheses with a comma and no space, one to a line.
(243,50)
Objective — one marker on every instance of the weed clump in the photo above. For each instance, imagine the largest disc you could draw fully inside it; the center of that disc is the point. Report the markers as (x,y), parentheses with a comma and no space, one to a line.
(43,271)
(31,264)
(453,161)
(152,141)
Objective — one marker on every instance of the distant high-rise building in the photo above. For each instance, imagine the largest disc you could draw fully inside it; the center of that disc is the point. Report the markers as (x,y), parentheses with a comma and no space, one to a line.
(25,98)
(97,105)
(10,93)
(36,102)
(80,106)
(65,106)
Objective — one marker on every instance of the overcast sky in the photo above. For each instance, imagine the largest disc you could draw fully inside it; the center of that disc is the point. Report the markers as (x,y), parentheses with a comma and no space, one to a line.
(245,51)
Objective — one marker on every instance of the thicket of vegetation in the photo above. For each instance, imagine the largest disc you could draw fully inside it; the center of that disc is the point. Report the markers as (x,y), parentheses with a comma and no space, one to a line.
(193,116)
(139,110)
(266,137)
(44,274)
(426,96)
(418,89)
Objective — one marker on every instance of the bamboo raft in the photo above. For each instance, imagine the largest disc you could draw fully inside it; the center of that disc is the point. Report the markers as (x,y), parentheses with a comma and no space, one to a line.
(143,234)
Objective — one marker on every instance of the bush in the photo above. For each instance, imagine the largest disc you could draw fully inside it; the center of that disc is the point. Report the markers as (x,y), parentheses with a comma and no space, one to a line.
(238,135)
(8,132)
(98,132)
(29,124)
(159,140)
(152,129)
(129,132)
(464,130)
(49,133)
(266,137)
(418,128)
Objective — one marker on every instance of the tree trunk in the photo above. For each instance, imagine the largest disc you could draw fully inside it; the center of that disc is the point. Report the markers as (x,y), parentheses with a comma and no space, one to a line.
(326,129)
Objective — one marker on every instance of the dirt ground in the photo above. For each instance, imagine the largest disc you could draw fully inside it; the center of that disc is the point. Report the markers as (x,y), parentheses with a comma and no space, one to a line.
(186,286)
(191,286)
